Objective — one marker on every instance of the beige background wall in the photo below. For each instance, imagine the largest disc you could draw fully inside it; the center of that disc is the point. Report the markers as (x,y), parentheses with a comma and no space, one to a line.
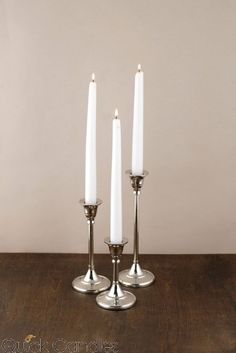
(48,50)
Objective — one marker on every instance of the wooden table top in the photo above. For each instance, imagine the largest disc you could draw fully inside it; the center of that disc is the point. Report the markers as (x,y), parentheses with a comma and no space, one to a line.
(191,308)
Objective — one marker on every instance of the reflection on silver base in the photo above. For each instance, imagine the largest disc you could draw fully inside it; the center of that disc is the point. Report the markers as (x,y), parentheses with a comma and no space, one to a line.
(91,283)
(116,298)
(136,277)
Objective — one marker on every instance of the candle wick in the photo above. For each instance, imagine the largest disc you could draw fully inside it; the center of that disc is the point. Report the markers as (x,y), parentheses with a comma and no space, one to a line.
(93,77)
(139,67)
(116,114)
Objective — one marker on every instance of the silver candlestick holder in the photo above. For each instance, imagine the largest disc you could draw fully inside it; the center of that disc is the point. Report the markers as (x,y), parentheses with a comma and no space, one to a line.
(91,282)
(136,276)
(116,298)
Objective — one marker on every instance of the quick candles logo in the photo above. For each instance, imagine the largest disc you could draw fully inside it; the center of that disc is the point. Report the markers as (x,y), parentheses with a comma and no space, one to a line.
(59,345)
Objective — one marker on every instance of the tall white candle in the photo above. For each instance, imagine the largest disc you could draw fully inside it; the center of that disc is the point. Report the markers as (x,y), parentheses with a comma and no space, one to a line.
(116,184)
(137,148)
(90,158)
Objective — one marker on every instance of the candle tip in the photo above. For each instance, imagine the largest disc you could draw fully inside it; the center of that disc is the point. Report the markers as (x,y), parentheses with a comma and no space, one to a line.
(93,77)
(139,67)
(116,113)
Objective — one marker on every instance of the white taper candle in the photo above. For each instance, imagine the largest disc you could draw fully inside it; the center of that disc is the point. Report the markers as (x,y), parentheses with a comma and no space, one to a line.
(90,158)
(116,183)
(137,147)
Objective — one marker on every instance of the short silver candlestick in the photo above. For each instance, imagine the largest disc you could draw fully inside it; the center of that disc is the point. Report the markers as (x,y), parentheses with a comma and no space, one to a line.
(136,276)
(91,282)
(116,298)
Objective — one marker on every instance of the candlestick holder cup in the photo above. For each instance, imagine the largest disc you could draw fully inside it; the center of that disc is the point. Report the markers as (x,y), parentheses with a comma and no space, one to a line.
(136,276)
(91,282)
(116,298)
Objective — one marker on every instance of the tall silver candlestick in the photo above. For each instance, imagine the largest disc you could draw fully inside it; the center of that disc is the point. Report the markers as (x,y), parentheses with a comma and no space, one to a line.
(136,276)
(116,298)
(91,282)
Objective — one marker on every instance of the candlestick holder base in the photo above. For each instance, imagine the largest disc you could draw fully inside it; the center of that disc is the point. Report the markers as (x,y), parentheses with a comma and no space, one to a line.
(91,282)
(116,298)
(110,300)
(136,276)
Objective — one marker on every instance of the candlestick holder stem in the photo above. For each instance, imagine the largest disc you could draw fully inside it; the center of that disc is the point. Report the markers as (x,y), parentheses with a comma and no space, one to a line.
(136,225)
(90,282)
(116,298)
(136,276)
(91,244)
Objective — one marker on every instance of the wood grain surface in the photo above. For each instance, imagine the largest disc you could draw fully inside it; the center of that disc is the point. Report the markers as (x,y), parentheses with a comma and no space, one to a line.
(191,308)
